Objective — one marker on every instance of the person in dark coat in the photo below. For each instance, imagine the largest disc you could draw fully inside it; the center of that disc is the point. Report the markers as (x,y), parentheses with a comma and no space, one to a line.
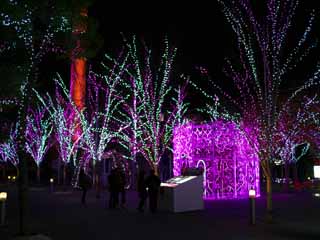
(84,184)
(142,190)
(153,184)
(113,181)
(122,186)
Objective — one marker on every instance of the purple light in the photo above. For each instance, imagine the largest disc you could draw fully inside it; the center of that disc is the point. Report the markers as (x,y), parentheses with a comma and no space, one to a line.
(231,166)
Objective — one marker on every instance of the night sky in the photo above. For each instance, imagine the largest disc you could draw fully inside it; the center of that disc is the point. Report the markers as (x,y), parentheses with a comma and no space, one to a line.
(198,29)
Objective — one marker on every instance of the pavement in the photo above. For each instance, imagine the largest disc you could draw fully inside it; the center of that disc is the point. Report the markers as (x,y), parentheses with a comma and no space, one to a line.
(60,216)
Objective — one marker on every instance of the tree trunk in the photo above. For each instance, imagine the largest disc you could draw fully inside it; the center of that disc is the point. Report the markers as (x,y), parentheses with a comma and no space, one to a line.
(286,173)
(103,174)
(64,174)
(4,173)
(38,174)
(59,170)
(295,173)
(18,171)
(156,169)
(269,198)
(98,186)
(22,172)
(94,174)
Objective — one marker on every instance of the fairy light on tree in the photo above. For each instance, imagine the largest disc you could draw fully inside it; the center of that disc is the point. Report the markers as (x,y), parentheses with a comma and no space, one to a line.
(8,149)
(154,111)
(265,60)
(297,128)
(61,111)
(38,132)
(102,124)
(23,17)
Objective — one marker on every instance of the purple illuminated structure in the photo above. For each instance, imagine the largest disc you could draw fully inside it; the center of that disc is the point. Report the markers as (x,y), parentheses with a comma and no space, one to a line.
(231,167)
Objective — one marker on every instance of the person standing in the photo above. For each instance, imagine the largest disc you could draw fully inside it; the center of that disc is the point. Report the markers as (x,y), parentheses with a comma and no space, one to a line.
(84,184)
(122,186)
(113,182)
(142,190)
(153,184)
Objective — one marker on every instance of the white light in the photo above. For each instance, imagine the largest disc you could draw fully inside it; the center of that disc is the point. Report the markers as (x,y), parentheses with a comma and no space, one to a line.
(3,196)
(14,178)
(252,193)
(317,194)
(9,177)
(51,180)
(316,171)
(185,179)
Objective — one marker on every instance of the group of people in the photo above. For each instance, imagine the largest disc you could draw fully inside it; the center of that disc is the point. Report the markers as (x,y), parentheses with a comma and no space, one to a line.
(147,187)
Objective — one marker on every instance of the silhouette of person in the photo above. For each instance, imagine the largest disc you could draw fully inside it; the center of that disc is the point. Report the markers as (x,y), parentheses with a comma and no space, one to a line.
(142,190)
(153,184)
(97,179)
(84,183)
(121,177)
(113,181)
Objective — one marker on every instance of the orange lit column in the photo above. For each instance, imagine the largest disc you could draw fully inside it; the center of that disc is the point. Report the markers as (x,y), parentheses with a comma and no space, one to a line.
(78,86)
(78,69)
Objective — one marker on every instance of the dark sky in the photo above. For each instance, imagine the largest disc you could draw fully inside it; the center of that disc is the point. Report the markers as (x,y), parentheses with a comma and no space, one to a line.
(197,28)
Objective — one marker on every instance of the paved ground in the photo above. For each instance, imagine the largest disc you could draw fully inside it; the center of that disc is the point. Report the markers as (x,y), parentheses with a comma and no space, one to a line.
(61,216)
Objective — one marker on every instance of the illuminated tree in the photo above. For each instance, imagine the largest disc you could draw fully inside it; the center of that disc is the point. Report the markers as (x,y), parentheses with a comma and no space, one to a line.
(101,124)
(8,149)
(35,26)
(61,110)
(297,128)
(151,109)
(38,131)
(265,59)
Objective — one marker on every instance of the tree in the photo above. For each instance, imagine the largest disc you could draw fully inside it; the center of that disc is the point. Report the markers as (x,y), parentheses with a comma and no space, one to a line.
(265,59)
(151,108)
(35,27)
(8,149)
(101,123)
(38,131)
(62,112)
(297,128)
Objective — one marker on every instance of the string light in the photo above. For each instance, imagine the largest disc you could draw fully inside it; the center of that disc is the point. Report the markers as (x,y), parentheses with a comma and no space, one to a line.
(151,110)
(231,165)
(263,65)
(8,149)
(38,131)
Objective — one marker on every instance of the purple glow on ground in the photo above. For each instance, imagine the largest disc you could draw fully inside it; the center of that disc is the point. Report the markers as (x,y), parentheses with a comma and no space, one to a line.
(231,167)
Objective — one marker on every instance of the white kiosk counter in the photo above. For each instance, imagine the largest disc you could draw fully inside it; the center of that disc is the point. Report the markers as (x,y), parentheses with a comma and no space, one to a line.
(181,194)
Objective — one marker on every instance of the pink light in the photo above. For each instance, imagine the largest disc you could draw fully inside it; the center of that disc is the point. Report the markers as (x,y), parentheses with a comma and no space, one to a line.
(231,166)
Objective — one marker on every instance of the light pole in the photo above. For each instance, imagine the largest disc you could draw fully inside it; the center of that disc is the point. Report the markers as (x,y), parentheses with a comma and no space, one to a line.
(3,198)
(252,198)
(51,184)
